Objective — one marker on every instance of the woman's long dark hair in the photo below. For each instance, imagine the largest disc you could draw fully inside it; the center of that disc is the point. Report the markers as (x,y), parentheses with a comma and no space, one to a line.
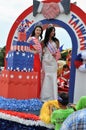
(47,35)
(38,26)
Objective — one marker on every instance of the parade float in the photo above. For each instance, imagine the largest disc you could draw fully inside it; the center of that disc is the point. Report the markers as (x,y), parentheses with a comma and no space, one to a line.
(20,105)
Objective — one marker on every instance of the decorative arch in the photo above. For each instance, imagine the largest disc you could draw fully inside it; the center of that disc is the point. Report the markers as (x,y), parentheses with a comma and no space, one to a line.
(74,9)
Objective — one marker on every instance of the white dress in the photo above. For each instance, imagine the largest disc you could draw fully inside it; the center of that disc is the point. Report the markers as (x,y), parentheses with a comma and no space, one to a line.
(49,86)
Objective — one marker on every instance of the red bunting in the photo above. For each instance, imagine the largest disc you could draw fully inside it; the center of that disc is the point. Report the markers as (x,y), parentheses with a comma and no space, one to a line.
(21,114)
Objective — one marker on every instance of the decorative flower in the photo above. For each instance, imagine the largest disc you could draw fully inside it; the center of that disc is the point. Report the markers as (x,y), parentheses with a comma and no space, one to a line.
(28,105)
(80,61)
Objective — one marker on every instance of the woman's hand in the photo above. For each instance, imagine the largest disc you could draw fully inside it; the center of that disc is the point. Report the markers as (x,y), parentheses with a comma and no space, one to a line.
(35,51)
(29,39)
(54,55)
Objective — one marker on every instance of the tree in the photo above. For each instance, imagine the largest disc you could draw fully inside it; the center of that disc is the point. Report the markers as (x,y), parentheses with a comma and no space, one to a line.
(2,56)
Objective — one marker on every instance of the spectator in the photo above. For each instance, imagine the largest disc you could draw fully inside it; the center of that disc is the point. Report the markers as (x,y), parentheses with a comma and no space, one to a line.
(68,59)
(49,106)
(63,79)
(75,121)
(81,103)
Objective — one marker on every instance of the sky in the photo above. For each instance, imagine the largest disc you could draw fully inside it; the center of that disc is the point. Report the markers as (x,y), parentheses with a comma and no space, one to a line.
(10,11)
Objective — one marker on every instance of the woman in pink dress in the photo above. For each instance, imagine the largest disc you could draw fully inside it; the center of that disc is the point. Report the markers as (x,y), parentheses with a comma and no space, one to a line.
(36,48)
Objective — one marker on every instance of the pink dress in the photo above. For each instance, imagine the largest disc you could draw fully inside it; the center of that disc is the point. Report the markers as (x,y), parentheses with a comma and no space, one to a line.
(37,61)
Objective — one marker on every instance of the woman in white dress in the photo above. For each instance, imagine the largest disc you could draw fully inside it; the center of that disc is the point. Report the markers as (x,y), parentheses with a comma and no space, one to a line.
(49,90)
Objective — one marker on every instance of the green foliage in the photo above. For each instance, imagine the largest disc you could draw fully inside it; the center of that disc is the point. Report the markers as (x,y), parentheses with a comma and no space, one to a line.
(2,55)
(64,55)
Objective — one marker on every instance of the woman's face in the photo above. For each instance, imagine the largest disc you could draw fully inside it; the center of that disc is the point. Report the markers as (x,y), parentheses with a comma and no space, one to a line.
(52,33)
(38,31)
